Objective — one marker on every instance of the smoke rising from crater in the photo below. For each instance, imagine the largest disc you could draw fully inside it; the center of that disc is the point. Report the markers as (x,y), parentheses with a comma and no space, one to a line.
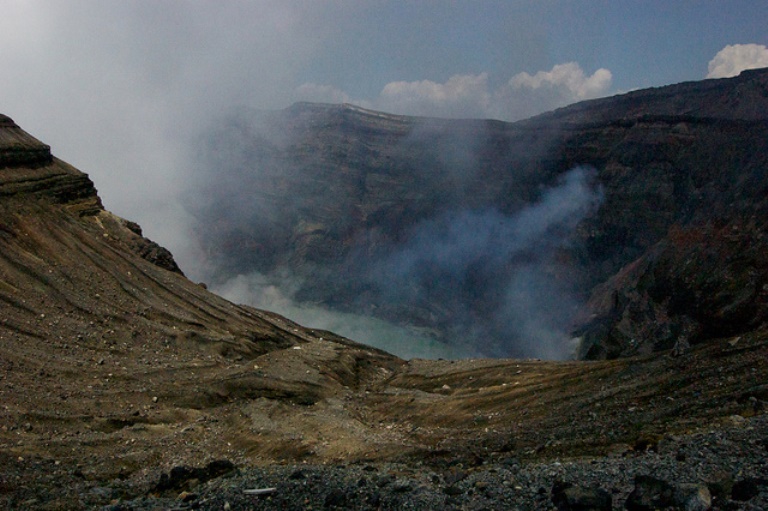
(460,281)
(497,273)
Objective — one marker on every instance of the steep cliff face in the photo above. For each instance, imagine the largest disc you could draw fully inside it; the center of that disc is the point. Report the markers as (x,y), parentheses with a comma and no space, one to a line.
(422,221)
(683,224)
(27,169)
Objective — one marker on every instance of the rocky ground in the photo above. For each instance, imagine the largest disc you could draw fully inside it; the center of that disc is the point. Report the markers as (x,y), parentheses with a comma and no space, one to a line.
(473,434)
(725,468)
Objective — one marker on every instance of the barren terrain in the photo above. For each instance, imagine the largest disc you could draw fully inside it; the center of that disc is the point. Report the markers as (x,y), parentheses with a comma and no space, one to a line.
(114,369)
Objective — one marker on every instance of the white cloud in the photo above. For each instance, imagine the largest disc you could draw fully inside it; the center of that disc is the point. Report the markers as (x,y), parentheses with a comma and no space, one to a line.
(526,95)
(471,96)
(459,96)
(735,58)
(568,79)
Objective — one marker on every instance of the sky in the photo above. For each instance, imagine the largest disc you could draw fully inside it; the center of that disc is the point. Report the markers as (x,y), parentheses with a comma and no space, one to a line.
(122,88)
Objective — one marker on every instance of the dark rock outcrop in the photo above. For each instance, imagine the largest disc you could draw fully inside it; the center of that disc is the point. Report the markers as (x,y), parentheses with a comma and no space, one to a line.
(150,250)
(18,148)
(339,198)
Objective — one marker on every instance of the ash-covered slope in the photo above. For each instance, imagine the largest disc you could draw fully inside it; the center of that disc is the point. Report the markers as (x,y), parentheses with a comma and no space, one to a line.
(103,340)
(649,207)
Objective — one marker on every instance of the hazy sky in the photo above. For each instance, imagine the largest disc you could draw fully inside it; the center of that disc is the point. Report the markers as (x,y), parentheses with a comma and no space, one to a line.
(117,88)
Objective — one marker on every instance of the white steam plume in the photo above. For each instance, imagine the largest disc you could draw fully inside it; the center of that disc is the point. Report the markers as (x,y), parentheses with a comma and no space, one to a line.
(491,280)
(507,293)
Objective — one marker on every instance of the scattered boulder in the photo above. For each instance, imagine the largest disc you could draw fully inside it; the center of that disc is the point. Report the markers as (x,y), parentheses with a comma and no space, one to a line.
(453,490)
(297,474)
(336,498)
(186,496)
(385,480)
(651,494)
(455,476)
(185,478)
(747,489)
(402,487)
(570,497)
(720,485)
(692,497)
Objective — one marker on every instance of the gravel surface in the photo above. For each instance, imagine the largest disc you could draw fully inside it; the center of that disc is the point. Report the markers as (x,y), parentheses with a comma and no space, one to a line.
(730,465)
(715,459)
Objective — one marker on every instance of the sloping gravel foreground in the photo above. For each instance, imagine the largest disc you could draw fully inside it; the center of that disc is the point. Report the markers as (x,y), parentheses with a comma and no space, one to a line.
(722,469)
